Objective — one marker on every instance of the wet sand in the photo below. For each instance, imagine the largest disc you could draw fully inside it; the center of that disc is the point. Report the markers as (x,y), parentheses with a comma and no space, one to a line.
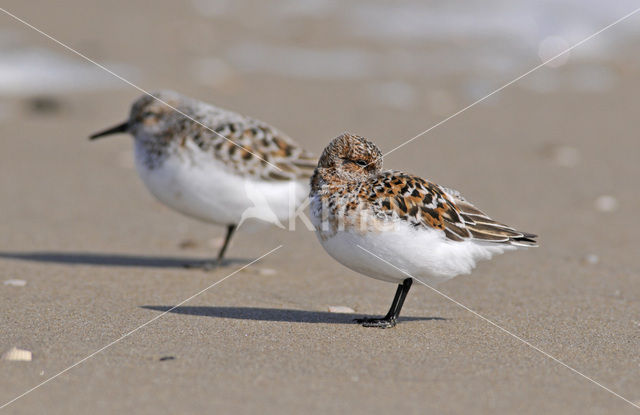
(101,257)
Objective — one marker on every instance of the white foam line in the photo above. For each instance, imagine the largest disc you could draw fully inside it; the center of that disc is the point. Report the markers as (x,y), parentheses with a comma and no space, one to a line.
(69,48)
(514,80)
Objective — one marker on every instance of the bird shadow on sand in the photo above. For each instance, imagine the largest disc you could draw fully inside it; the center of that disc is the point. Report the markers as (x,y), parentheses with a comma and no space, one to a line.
(118,260)
(273,314)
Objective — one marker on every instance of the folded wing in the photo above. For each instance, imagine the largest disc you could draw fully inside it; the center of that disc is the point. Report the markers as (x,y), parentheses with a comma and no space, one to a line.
(250,147)
(425,204)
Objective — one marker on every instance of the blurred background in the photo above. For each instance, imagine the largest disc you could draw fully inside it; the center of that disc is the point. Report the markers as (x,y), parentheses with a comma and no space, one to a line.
(557,145)
(556,153)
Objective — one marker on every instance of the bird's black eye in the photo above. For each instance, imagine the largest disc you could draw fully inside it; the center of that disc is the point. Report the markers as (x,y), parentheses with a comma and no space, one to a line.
(362,163)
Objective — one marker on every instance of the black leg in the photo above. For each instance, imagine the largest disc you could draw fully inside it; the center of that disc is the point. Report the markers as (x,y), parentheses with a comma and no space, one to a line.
(406,286)
(391,318)
(208,266)
(230,230)
(392,310)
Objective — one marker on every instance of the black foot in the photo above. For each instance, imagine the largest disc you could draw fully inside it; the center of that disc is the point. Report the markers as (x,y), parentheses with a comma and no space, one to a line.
(391,319)
(219,262)
(210,266)
(206,266)
(381,323)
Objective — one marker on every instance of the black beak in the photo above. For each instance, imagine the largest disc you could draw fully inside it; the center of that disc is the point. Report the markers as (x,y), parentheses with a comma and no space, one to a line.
(121,128)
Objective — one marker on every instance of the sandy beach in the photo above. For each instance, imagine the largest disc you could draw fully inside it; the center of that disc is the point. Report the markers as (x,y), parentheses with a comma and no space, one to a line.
(555,154)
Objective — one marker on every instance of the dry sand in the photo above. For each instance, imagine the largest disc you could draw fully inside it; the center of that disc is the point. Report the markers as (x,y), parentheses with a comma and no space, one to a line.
(100,256)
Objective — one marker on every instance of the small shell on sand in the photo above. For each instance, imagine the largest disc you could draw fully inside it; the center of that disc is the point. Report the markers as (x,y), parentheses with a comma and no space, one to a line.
(340,309)
(17,355)
(591,259)
(606,203)
(15,283)
(267,271)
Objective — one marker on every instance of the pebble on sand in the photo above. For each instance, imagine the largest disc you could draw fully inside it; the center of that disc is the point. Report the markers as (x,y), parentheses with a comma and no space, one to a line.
(606,203)
(591,259)
(44,104)
(17,355)
(15,283)
(188,244)
(340,309)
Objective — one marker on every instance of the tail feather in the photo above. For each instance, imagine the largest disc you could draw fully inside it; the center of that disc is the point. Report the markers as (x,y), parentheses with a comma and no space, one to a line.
(526,240)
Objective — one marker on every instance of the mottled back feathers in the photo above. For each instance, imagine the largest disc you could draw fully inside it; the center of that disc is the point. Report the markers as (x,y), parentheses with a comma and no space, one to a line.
(398,196)
(246,146)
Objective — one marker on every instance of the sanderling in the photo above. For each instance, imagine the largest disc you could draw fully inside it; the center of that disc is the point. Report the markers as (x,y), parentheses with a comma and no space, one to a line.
(215,168)
(428,231)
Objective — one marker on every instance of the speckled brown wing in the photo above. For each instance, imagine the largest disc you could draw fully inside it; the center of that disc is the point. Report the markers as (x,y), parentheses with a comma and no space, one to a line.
(252,148)
(425,204)
(482,227)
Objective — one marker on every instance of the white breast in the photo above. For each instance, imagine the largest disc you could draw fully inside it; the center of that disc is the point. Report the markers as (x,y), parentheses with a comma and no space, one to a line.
(425,254)
(196,184)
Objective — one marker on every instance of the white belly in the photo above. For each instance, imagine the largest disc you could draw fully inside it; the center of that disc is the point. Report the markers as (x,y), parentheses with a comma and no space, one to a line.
(201,187)
(425,254)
